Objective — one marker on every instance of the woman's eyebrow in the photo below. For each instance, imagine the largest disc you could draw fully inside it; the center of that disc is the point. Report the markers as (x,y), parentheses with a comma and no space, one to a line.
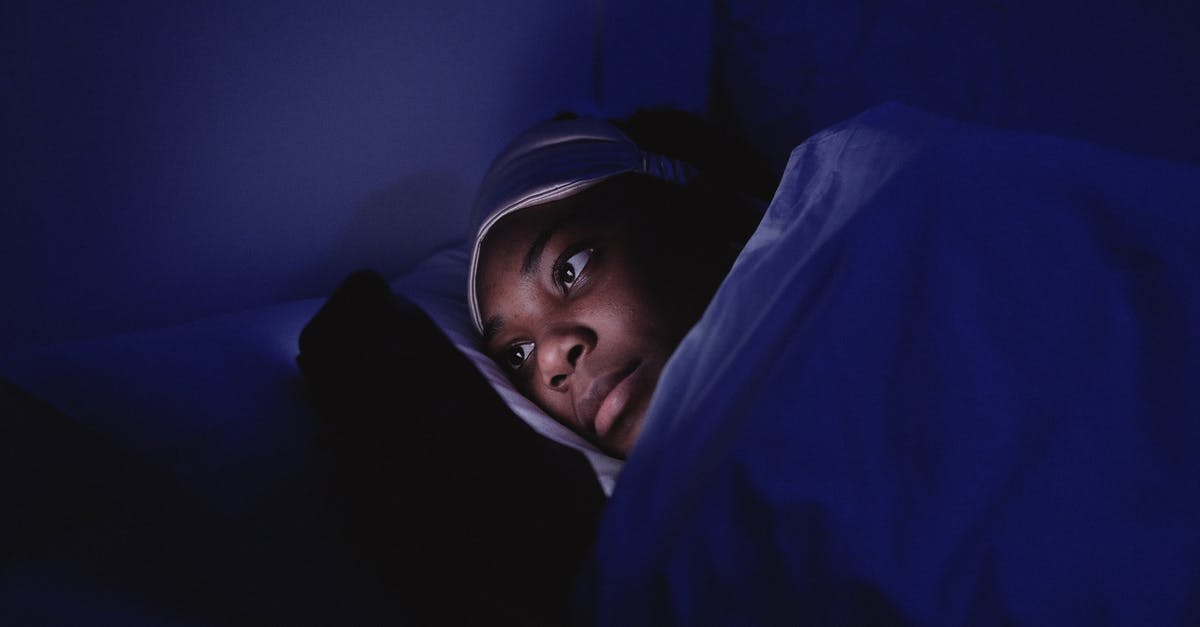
(491,328)
(534,256)
(538,246)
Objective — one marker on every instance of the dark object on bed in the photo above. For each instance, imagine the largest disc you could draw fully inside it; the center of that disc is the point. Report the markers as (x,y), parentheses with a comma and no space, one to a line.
(951,380)
(93,534)
(469,515)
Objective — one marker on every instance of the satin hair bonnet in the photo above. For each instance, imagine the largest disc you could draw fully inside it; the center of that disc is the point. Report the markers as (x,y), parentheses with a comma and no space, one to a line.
(553,161)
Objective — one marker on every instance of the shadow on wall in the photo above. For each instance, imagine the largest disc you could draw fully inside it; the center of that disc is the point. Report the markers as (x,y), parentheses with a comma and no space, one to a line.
(166,162)
(171,162)
(1120,73)
(389,228)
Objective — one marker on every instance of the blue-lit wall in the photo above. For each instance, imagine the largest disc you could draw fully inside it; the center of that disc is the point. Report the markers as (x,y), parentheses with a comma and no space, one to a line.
(169,161)
(1120,73)
(163,163)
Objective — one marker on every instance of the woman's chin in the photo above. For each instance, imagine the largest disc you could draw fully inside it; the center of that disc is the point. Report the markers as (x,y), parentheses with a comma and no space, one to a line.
(618,441)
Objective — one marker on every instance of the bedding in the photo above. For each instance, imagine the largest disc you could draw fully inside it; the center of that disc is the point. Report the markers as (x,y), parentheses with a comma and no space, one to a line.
(173,476)
(950,380)
(182,476)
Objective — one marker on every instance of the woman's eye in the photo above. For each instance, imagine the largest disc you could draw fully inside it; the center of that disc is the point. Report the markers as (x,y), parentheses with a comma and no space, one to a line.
(568,271)
(515,355)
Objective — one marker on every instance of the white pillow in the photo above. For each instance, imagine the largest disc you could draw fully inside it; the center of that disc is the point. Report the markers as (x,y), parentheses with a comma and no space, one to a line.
(438,286)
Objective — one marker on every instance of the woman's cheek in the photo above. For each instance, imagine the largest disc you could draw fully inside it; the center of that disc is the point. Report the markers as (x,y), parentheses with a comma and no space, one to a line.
(555,404)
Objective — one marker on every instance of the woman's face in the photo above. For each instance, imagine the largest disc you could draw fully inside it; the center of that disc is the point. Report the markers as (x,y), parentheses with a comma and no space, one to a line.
(579,307)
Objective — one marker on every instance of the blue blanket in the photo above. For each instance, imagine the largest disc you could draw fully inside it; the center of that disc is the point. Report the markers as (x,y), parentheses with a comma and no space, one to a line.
(953,379)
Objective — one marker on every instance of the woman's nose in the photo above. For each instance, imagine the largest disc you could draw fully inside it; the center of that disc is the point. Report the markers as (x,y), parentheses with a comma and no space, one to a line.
(559,354)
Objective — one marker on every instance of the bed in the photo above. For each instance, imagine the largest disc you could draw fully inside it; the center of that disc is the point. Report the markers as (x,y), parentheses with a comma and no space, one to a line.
(950,380)
(289,464)
(199,474)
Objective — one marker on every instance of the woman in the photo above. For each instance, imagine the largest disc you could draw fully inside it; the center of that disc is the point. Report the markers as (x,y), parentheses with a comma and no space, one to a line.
(597,246)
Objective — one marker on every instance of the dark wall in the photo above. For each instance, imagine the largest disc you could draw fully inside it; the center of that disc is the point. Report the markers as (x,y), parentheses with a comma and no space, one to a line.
(1120,73)
(168,161)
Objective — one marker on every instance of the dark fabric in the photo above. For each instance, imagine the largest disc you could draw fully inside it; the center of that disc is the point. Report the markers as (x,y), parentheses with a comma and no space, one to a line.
(93,534)
(468,513)
(952,380)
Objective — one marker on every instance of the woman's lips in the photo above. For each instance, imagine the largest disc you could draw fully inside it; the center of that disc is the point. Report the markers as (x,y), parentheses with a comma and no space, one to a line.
(608,395)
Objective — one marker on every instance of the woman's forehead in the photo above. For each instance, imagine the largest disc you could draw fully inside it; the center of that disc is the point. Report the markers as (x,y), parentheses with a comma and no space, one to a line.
(513,235)
(510,245)
(534,226)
